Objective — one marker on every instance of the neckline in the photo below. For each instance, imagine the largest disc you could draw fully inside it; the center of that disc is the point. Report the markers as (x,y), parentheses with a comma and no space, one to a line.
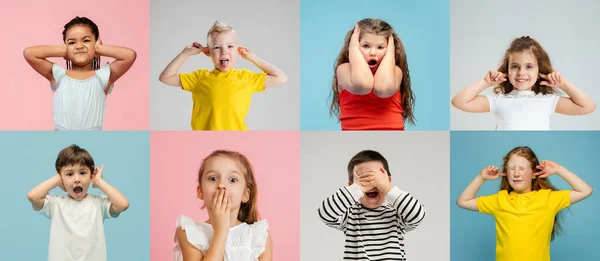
(522,92)
(81,80)
(230,228)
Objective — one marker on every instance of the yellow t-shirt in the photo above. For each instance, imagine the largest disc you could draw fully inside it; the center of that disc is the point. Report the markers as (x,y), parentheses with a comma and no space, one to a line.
(221,99)
(524,222)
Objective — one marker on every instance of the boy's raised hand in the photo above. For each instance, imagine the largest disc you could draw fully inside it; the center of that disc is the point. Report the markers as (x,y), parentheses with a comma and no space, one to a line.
(196,48)
(97,176)
(60,183)
(246,53)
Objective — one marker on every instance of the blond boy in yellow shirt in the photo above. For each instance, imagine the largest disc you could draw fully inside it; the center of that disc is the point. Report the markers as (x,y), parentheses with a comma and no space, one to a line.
(527,205)
(221,97)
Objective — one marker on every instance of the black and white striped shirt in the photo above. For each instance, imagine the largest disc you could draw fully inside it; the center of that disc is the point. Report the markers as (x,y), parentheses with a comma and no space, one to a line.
(372,234)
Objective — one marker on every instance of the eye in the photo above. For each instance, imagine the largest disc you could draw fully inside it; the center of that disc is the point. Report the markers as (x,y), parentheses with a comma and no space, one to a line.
(231,46)
(216,47)
(513,67)
(365,46)
(233,180)
(381,47)
(70,43)
(69,174)
(529,66)
(212,178)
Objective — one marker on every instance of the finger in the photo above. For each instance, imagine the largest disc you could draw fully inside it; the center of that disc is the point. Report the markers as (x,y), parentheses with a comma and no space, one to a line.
(502,174)
(545,83)
(225,199)
(543,76)
(227,205)
(220,199)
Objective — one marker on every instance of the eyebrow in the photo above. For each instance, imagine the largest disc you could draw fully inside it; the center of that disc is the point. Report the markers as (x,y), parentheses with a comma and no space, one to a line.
(87,36)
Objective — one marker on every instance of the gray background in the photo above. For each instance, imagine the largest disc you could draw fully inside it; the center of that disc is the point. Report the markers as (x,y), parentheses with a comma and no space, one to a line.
(270,28)
(480,32)
(419,163)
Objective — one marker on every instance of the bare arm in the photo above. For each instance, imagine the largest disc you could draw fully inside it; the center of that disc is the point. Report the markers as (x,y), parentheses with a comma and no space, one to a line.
(118,202)
(189,252)
(124,58)
(275,76)
(170,75)
(388,77)
(467,199)
(579,103)
(267,255)
(38,194)
(357,78)
(581,190)
(469,100)
(36,57)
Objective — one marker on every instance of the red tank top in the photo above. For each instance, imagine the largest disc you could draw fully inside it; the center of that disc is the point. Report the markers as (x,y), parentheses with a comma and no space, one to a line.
(369,112)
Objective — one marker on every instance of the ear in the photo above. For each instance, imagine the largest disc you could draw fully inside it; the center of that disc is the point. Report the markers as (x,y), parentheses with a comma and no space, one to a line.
(199,192)
(246,195)
(350,183)
(390,178)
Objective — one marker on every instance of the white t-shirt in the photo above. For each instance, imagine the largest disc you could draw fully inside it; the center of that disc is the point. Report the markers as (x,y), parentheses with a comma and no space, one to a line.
(77,230)
(523,110)
(244,242)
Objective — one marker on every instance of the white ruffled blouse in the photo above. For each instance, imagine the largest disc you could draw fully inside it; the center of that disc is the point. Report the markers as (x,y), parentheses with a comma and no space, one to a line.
(523,110)
(244,242)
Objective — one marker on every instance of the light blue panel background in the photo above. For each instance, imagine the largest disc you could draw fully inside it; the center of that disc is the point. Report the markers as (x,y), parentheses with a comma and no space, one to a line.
(472,234)
(423,27)
(28,158)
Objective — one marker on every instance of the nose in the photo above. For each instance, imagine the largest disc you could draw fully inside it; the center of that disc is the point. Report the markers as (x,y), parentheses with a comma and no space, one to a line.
(521,71)
(372,52)
(76,179)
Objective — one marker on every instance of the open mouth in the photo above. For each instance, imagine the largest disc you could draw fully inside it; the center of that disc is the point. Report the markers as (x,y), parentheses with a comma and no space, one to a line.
(78,190)
(372,62)
(372,194)
(224,62)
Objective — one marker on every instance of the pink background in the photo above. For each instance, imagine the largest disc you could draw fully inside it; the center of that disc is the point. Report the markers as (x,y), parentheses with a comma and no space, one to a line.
(174,162)
(26,98)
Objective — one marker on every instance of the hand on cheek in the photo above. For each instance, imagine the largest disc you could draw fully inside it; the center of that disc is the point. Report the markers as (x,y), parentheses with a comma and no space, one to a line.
(382,180)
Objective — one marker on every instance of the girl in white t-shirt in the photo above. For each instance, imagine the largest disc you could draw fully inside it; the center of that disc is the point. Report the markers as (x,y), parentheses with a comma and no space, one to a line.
(525,90)
(77,229)
(233,231)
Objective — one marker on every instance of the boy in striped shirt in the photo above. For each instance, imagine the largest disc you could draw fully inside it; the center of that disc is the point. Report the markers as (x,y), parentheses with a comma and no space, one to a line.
(373,214)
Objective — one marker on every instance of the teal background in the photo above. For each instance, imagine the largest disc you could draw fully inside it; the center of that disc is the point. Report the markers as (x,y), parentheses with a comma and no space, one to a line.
(472,234)
(424,28)
(28,158)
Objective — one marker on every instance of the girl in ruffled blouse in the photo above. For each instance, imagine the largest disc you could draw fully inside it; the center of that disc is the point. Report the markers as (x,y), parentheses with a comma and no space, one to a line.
(233,230)
(525,90)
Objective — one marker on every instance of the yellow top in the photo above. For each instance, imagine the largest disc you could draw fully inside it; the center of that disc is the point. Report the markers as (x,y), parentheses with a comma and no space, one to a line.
(524,222)
(221,99)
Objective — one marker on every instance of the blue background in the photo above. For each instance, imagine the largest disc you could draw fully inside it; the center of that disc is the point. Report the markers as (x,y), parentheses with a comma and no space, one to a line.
(472,234)
(28,158)
(424,28)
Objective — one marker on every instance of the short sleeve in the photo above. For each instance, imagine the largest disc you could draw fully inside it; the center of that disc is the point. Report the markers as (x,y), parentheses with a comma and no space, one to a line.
(259,238)
(198,238)
(189,81)
(58,72)
(104,76)
(559,199)
(488,204)
(49,202)
(492,98)
(554,102)
(256,80)
(104,203)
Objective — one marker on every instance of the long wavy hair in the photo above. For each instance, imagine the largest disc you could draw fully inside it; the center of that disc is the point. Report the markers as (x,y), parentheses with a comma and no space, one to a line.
(378,27)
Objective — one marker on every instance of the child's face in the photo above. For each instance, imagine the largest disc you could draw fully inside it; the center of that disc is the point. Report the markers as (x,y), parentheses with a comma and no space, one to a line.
(81,45)
(223,50)
(224,172)
(372,198)
(373,48)
(76,179)
(522,70)
(519,173)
